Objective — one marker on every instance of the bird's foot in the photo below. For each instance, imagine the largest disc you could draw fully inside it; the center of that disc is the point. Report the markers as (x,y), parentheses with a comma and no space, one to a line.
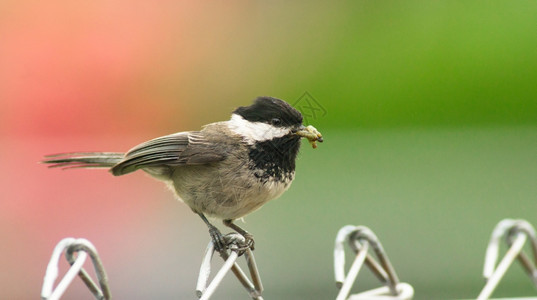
(248,242)
(239,242)
(248,237)
(217,238)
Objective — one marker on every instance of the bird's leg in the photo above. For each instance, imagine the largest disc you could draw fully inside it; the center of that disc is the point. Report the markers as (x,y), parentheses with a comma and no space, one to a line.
(216,235)
(248,237)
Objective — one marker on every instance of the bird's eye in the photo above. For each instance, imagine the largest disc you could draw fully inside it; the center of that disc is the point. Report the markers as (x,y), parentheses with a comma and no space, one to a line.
(276,121)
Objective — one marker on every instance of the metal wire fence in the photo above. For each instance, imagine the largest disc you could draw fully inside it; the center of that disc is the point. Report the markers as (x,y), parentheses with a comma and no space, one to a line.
(360,239)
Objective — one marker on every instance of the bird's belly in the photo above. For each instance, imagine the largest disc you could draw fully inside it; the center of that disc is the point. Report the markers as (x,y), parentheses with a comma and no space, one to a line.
(226,196)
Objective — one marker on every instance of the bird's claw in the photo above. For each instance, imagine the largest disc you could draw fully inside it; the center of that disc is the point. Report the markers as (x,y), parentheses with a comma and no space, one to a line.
(241,243)
(222,243)
(217,238)
(248,242)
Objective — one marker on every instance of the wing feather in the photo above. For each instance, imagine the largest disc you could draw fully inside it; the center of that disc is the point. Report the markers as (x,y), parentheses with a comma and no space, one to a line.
(183,148)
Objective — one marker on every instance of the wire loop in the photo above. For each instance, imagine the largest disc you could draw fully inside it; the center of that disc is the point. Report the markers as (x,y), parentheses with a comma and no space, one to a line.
(516,232)
(236,245)
(360,239)
(83,248)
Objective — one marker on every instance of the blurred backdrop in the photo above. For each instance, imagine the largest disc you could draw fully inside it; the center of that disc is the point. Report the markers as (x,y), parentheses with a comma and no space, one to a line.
(428,108)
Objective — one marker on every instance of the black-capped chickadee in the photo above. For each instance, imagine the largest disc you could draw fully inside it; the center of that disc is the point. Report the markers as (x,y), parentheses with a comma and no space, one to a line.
(227,170)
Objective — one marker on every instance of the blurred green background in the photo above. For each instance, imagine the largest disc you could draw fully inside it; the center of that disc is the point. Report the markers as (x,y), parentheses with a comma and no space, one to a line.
(428,109)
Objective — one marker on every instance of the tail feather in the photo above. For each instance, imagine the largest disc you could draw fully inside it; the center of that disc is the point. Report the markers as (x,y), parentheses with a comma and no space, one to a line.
(83,160)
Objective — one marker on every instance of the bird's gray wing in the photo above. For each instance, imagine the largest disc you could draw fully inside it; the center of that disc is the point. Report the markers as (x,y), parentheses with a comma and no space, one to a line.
(183,148)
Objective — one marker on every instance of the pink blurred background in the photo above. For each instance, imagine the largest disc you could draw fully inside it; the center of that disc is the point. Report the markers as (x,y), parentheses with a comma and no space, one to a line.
(106,75)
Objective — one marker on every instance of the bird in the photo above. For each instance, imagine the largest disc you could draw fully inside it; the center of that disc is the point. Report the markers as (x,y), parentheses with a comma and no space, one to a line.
(225,171)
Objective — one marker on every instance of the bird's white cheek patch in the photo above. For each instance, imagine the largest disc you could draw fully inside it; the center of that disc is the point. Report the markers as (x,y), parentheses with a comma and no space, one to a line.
(255,131)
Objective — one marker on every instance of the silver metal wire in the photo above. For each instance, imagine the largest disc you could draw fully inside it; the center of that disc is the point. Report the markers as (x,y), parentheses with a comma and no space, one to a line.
(83,248)
(516,233)
(404,292)
(360,239)
(236,245)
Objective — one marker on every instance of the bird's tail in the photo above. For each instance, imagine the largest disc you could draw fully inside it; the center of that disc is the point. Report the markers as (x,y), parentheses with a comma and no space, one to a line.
(83,160)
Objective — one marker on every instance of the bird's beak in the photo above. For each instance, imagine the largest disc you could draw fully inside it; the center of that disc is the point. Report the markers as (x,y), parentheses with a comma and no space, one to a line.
(312,134)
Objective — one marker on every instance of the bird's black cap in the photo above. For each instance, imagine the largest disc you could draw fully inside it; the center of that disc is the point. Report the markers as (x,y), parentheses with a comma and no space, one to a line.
(267,109)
